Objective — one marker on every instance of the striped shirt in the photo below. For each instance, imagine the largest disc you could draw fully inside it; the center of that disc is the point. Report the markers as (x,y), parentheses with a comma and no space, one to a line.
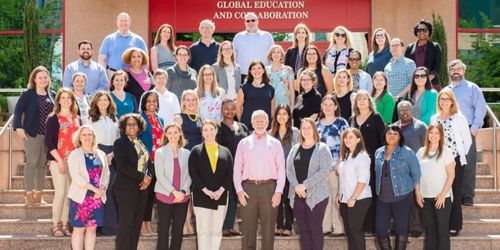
(46,107)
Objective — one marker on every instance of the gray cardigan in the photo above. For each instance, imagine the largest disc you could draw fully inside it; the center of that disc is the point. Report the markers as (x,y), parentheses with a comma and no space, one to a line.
(164,170)
(317,176)
(222,76)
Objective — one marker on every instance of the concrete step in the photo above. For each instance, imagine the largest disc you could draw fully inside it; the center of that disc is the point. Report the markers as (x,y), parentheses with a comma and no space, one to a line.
(481,226)
(482,168)
(18,182)
(487,196)
(45,241)
(20,211)
(17,196)
(485,181)
(481,211)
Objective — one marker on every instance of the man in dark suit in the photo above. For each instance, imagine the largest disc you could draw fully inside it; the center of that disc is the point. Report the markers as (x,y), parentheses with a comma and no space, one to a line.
(426,53)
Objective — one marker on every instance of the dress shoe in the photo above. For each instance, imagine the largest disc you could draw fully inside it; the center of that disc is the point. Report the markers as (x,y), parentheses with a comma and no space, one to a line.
(467,201)
(414,234)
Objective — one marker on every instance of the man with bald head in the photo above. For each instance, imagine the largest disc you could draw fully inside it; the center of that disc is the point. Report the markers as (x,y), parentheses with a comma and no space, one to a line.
(259,178)
(251,44)
(113,46)
(399,70)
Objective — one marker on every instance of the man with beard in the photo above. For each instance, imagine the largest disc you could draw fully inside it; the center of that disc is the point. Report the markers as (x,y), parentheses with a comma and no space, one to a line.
(414,133)
(473,106)
(96,75)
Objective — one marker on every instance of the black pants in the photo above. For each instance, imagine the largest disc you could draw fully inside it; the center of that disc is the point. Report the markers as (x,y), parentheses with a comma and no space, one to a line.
(131,205)
(148,210)
(175,215)
(456,207)
(285,211)
(415,224)
(399,211)
(353,218)
(436,223)
(369,224)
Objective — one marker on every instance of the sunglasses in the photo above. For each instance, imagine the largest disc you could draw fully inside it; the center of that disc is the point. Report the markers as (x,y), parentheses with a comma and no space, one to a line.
(343,35)
(380,35)
(421,76)
(250,21)
(422,30)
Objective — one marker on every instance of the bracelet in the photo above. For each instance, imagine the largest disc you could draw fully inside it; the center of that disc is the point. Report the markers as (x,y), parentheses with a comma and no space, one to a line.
(353,198)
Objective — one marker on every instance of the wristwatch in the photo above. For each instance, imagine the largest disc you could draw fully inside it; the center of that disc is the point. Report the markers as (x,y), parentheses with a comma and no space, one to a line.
(354,198)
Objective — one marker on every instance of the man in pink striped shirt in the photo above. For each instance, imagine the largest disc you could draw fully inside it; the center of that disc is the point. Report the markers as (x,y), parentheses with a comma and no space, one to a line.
(259,178)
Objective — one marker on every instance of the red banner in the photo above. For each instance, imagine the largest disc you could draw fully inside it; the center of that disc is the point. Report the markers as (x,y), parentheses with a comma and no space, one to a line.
(274,15)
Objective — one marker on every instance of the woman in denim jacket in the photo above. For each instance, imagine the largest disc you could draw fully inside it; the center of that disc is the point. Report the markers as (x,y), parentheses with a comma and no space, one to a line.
(397,171)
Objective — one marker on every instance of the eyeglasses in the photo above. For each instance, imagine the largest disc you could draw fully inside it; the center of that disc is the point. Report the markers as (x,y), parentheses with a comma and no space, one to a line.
(420,76)
(379,35)
(456,69)
(444,99)
(354,59)
(343,35)
(250,21)
(422,30)
(131,124)
(227,49)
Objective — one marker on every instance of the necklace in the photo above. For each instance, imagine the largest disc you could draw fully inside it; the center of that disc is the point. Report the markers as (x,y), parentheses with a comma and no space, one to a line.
(192,119)
(258,85)
(90,155)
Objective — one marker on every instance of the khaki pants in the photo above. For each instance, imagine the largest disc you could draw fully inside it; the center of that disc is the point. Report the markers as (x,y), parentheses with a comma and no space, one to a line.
(60,205)
(258,208)
(36,163)
(209,227)
(332,220)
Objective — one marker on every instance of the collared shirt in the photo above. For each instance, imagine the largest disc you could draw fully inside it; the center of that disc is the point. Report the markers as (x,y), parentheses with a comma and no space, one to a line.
(471,102)
(115,44)
(250,46)
(259,159)
(96,76)
(399,74)
(351,171)
(202,54)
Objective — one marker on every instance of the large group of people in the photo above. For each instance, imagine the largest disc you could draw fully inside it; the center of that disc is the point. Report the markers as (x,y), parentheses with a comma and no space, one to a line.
(292,136)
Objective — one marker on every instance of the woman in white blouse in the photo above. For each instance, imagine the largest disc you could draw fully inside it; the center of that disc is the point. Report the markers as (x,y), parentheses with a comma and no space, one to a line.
(457,138)
(433,193)
(102,114)
(354,197)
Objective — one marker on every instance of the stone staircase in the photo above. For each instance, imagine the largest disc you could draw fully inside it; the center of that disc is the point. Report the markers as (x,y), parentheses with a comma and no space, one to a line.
(29,228)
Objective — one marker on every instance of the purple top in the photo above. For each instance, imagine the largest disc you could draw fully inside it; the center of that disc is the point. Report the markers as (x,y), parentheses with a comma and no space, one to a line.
(46,107)
(176,183)
(142,78)
(420,55)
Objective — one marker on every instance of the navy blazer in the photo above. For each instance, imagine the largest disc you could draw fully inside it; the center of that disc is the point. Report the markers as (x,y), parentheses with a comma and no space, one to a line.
(28,107)
(433,57)
(202,176)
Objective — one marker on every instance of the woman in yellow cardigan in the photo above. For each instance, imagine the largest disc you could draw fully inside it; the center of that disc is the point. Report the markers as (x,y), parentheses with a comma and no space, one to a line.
(383,99)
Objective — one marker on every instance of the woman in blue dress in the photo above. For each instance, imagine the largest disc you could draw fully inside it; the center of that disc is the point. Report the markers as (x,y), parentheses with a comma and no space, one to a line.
(125,102)
(89,172)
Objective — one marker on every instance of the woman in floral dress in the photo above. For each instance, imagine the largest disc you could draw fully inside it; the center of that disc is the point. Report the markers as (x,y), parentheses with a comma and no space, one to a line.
(90,177)
(281,76)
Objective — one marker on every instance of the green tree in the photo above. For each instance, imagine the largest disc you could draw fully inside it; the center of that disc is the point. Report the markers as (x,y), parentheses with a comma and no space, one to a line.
(31,21)
(439,36)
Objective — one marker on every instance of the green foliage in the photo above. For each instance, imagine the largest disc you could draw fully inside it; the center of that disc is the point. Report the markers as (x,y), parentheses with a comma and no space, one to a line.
(31,37)
(439,36)
(11,14)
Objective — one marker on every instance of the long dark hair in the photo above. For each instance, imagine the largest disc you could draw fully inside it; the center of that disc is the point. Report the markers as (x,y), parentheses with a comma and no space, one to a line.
(360,147)
(413,88)
(319,63)
(428,143)
(94,112)
(275,126)
(265,77)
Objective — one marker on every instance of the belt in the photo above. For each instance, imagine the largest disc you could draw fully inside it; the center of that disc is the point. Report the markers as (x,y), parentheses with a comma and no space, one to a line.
(259,182)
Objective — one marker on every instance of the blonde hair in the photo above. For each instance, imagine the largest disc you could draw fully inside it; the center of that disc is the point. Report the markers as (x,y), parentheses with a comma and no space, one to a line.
(270,53)
(454,105)
(127,55)
(220,58)
(78,133)
(336,78)
(200,88)
(164,140)
(348,37)
(31,80)
(296,30)
(189,92)
(315,130)
(371,104)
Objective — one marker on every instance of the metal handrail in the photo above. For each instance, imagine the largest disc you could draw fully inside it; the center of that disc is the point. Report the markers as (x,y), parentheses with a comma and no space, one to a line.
(495,125)
(7,125)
